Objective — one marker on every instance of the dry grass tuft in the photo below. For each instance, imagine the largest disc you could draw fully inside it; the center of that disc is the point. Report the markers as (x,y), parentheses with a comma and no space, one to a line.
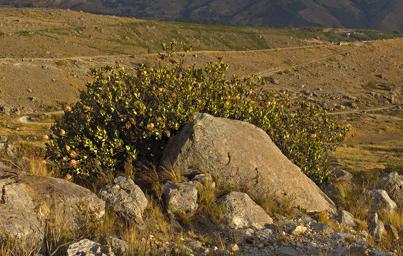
(208,205)
(17,248)
(274,207)
(38,167)
(324,218)
(394,218)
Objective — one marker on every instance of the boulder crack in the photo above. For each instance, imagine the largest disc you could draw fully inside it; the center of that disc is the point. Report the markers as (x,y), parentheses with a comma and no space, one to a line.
(3,191)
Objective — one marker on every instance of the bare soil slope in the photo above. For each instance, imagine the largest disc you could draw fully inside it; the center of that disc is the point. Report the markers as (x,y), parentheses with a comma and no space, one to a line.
(360,82)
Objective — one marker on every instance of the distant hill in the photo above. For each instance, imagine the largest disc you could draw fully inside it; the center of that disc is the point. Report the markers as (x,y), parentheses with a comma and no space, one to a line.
(372,14)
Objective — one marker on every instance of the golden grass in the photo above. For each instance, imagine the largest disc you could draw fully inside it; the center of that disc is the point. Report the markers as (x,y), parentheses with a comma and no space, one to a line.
(208,204)
(275,207)
(172,174)
(38,167)
(324,218)
(394,218)
(17,248)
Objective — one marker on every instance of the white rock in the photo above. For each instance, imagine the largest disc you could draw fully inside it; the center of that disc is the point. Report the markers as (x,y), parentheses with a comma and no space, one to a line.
(299,230)
(243,212)
(382,201)
(88,248)
(180,198)
(347,219)
(126,199)
(376,227)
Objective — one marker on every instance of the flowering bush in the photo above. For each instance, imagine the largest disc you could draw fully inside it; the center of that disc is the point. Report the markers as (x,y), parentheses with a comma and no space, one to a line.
(125,116)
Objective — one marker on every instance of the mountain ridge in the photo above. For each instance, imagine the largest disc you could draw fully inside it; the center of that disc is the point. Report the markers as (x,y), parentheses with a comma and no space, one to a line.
(368,14)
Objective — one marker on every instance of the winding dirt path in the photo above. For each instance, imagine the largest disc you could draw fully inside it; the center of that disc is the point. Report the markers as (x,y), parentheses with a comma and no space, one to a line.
(206,52)
(363,111)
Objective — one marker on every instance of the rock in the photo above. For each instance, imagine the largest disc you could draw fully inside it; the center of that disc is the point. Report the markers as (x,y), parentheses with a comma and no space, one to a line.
(340,175)
(3,139)
(126,199)
(302,216)
(195,245)
(322,228)
(376,227)
(287,251)
(11,150)
(242,212)
(341,181)
(393,184)
(382,76)
(263,234)
(88,248)
(347,219)
(32,98)
(180,198)
(118,246)
(28,202)
(234,248)
(342,236)
(357,250)
(381,201)
(253,163)
(204,179)
(298,230)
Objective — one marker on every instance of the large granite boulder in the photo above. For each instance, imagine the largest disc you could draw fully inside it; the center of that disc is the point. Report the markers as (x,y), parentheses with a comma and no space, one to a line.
(243,157)
(28,202)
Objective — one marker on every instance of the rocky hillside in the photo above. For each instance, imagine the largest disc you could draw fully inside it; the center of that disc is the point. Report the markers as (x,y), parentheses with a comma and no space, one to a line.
(195,214)
(374,14)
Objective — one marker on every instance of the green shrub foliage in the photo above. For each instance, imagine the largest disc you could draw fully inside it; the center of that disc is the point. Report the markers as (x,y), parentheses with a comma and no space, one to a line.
(126,115)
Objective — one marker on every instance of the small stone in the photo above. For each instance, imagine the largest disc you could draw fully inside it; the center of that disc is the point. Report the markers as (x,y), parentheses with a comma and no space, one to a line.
(3,139)
(382,201)
(180,198)
(234,248)
(322,228)
(249,232)
(347,219)
(298,230)
(364,234)
(264,234)
(204,179)
(340,175)
(194,244)
(118,246)
(357,249)
(88,248)
(302,216)
(126,199)
(243,212)
(287,251)
(342,235)
(393,184)
(376,227)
